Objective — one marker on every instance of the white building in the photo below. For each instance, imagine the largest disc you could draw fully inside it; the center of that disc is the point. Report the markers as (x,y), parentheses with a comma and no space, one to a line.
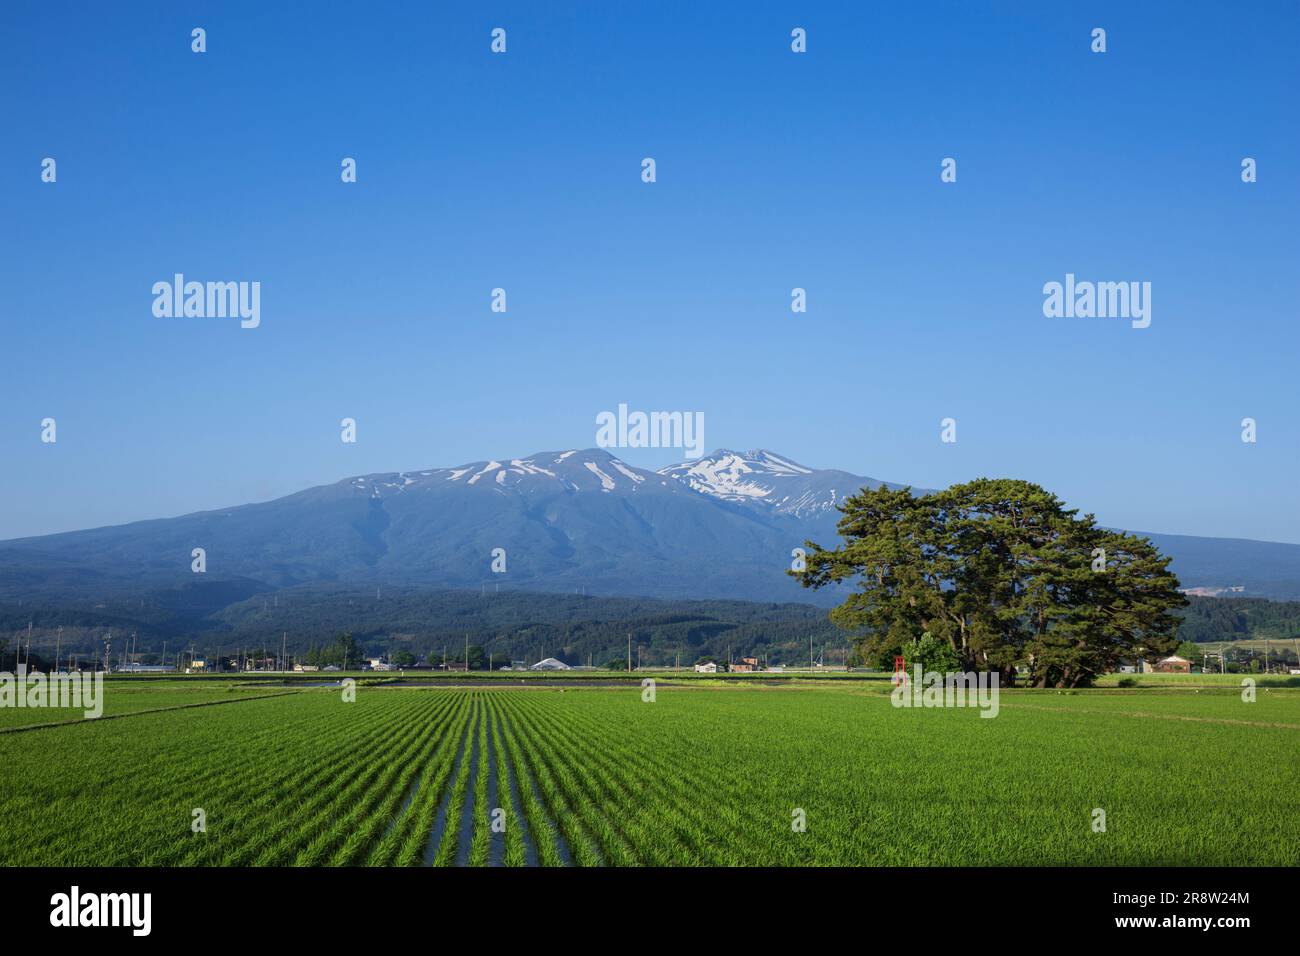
(709,668)
(550,664)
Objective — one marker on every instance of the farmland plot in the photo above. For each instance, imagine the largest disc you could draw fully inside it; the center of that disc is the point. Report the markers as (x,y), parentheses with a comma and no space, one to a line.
(790,775)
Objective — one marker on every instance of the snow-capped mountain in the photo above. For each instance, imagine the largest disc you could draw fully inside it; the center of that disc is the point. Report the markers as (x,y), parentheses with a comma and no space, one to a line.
(565,519)
(722,526)
(574,470)
(770,482)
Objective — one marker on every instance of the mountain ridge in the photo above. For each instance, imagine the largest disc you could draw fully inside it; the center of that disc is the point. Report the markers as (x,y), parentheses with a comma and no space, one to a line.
(719,526)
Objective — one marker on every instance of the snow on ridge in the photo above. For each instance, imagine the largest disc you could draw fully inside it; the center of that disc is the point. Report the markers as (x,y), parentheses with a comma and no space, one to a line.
(525,466)
(784,466)
(606,482)
(723,477)
(627,471)
(490,466)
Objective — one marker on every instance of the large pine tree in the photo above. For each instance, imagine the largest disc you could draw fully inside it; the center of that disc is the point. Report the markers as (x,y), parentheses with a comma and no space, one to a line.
(1005,574)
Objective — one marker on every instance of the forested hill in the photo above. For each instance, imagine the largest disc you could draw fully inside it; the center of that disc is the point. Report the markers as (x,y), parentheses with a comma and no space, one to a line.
(528,625)
(1232,619)
(509,624)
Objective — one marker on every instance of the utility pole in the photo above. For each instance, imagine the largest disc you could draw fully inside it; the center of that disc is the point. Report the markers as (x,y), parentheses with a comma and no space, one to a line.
(467,653)
(58,644)
(629,653)
(810,652)
(29,645)
(164,660)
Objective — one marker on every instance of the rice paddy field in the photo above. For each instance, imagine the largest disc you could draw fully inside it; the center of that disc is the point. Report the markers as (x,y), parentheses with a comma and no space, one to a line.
(708,773)
(128,697)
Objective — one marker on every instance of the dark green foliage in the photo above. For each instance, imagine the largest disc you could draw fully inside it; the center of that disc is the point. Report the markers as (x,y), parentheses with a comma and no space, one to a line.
(1231,619)
(343,651)
(1004,574)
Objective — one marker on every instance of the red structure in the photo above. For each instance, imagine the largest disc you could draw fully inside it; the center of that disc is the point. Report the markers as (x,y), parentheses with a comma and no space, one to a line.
(900,671)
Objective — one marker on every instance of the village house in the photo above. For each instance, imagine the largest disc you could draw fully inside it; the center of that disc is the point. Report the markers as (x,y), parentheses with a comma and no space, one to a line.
(1173,665)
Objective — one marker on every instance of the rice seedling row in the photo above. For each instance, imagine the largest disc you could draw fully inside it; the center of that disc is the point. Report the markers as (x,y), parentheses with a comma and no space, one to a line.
(744,775)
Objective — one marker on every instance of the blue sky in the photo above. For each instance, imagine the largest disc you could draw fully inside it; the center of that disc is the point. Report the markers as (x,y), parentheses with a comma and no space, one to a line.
(775,170)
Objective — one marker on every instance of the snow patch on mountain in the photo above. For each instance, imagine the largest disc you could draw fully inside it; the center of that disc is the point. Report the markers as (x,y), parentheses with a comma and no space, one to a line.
(525,466)
(760,479)
(490,466)
(637,479)
(736,477)
(766,481)
(606,483)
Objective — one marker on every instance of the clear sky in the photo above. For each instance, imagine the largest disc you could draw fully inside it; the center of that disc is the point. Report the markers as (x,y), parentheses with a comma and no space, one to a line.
(774,170)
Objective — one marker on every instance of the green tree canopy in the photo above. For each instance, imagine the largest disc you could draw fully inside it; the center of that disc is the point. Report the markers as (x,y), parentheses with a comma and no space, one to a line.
(1001,572)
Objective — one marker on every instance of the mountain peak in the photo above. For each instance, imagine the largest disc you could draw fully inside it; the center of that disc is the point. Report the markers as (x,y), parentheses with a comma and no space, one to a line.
(766,481)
